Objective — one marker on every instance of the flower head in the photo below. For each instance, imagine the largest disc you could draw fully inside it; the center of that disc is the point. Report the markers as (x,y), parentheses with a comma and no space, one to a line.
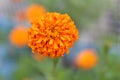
(86,59)
(34,11)
(19,36)
(52,34)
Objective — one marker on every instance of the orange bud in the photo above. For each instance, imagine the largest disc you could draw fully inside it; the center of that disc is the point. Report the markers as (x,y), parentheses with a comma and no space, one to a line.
(86,59)
(34,11)
(18,36)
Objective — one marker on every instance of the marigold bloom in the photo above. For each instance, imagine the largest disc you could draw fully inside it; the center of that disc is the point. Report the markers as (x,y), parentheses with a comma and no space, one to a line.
(34,11)
(52,34)
(19,36)
(86,59)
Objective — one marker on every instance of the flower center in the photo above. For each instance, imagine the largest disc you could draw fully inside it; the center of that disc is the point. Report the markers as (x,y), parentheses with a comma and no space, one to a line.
(53,33)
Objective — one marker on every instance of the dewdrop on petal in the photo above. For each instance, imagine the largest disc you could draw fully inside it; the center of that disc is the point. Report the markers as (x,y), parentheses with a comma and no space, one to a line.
(86,59)
(52,34)
(19,36)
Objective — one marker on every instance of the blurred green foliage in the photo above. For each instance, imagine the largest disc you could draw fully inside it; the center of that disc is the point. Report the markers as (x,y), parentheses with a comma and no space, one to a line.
(1,37)
(83,12)
(107,69)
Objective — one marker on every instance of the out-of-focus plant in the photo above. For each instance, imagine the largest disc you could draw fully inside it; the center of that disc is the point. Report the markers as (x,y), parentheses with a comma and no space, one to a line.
(18,36)
(83,12)
(86,59)
(107,68)
(34,11)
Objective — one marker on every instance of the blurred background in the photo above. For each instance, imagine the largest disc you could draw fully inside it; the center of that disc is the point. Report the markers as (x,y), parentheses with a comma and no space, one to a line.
(98,22)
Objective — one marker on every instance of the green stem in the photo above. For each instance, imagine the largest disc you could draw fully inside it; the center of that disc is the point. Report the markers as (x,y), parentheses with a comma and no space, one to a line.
(55,62)
(76,72)
(104,53)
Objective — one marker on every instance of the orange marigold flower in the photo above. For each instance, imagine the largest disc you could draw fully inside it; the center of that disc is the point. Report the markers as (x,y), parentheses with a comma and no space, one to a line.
(34,11)
(87,59)
(52,34)
(19,36)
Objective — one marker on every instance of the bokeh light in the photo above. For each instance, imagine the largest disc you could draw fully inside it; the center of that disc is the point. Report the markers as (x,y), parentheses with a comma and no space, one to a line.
(19,36)
(87,59)
(34,11)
